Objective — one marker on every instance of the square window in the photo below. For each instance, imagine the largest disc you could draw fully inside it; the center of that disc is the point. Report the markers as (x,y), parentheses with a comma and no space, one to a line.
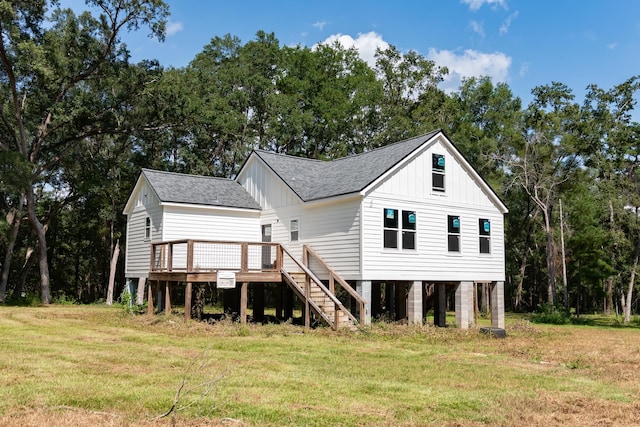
(453,243)
(391,238)
(408,240)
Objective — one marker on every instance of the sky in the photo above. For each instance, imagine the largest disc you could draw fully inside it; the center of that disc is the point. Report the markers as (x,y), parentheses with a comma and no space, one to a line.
(524,43)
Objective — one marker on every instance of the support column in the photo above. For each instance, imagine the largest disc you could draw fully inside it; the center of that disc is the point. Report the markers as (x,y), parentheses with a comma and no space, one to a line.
(414,304)
(463,302)
(497,305)
(140,291)
(440,306)
(187,301)
(243,303)
(278,299)
(150,298)
(363,288)
(167,298)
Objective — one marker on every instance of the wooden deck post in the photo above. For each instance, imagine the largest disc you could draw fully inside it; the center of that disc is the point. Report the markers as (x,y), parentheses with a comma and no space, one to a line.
(167,298)
(244,258)
(150,298)
(243,303)
(187,301)
(307,295)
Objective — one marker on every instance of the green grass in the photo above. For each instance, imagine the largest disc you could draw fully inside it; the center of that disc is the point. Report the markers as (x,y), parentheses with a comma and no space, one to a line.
(99,360)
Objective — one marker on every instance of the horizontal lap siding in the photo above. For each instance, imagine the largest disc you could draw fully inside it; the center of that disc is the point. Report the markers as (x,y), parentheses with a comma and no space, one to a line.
(210,224)
(410,189)
(138,248)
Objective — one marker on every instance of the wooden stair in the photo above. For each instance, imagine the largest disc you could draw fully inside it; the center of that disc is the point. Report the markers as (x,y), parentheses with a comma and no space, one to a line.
(320,300)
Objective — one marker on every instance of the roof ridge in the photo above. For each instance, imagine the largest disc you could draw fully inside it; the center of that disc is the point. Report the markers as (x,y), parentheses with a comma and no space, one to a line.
(291,156)
(186,174)
(388,145)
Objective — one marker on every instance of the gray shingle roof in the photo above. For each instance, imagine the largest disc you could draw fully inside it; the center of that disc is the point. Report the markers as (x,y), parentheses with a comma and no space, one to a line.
(316,179)
(199,190)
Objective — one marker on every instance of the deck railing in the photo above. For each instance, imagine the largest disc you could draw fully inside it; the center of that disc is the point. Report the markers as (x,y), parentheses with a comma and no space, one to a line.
(208,256)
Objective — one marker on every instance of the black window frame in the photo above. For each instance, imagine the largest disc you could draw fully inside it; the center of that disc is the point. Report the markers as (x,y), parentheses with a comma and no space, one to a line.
(454,234)
(438,178)
(484,236)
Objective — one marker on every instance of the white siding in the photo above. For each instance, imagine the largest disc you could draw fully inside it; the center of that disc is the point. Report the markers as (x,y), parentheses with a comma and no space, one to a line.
(409,189)
(210,224)
(138,247)
(265,187)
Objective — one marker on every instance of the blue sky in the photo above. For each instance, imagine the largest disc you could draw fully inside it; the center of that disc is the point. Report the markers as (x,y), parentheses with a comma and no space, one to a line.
(524,43)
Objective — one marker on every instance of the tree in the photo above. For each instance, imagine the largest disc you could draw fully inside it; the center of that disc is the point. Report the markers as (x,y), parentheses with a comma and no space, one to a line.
(545,158)
(56,83)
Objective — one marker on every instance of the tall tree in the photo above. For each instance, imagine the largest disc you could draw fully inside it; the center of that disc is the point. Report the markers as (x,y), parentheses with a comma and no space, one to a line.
(545,158)
(55,81)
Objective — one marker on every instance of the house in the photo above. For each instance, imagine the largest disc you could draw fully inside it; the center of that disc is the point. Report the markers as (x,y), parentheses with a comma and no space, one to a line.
(397,222)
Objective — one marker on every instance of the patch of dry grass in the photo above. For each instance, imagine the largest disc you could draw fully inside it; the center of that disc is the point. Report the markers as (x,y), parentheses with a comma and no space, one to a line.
(81,366)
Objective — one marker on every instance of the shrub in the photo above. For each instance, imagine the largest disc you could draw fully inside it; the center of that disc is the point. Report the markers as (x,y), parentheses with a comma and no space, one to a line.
(550,314)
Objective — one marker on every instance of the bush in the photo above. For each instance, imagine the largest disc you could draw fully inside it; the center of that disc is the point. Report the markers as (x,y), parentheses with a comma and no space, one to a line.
(550,314)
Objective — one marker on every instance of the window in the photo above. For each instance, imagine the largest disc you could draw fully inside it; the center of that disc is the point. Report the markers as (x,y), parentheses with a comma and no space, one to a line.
(408,230)
(392,229)
(453,233)
(437,172)
(294,230)
(484,229)
(147,229)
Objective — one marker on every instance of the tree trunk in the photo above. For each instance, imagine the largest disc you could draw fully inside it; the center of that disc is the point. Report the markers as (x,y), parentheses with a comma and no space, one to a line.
(28,263)
(112,273)
(609,288)
(6,266)
(626,307)
(551,276)
(43,262)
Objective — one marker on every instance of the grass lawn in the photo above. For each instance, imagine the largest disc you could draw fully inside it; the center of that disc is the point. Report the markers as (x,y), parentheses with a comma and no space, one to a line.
(95,365)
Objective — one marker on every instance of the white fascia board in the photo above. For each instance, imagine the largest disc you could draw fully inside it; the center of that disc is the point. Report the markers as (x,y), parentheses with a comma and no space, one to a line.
(333,199)
(209,207)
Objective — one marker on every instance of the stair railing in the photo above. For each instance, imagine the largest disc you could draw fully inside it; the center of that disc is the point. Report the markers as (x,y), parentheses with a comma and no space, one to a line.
(308,254)
(305,292)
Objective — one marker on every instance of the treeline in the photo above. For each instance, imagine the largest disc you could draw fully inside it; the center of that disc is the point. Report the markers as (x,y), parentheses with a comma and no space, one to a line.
(78,121)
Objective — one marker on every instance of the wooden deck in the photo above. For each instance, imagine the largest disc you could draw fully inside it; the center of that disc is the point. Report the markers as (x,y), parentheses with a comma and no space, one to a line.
(227,263)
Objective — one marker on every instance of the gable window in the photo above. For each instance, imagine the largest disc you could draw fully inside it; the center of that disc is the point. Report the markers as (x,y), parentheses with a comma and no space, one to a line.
(294,230)
(399,229)
(408,230)
(453,233)
(147,229)
(437,172)
(484,229)
(390,228)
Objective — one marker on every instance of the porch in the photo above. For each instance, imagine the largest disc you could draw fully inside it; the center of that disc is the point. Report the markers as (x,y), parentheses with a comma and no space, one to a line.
(230,264)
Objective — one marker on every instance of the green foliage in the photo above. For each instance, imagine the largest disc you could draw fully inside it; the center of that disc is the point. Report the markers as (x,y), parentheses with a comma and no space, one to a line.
(550,314)
(61,298)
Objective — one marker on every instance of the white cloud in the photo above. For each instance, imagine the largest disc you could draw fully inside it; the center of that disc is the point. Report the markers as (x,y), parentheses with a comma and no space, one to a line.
(477,28)
(524,69)
(477,4)
(173,27)
(366,44)
(470,63)
(504,28)
(319,25)
(612,45)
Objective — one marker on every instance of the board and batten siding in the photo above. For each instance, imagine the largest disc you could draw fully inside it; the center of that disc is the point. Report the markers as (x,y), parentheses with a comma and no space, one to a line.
(410,189)
(265,186)
(138,247)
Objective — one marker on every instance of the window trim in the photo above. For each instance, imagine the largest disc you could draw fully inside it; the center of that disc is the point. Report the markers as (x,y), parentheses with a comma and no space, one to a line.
(400,227)
(293,221)
(439,171)
(450,233)
(484,235)
(147,229)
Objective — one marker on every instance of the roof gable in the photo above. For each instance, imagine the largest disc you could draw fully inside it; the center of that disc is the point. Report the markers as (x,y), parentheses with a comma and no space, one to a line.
(316,179)
(172,187)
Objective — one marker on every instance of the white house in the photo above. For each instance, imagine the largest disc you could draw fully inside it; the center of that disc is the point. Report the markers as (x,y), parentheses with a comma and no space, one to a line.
(404,216)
